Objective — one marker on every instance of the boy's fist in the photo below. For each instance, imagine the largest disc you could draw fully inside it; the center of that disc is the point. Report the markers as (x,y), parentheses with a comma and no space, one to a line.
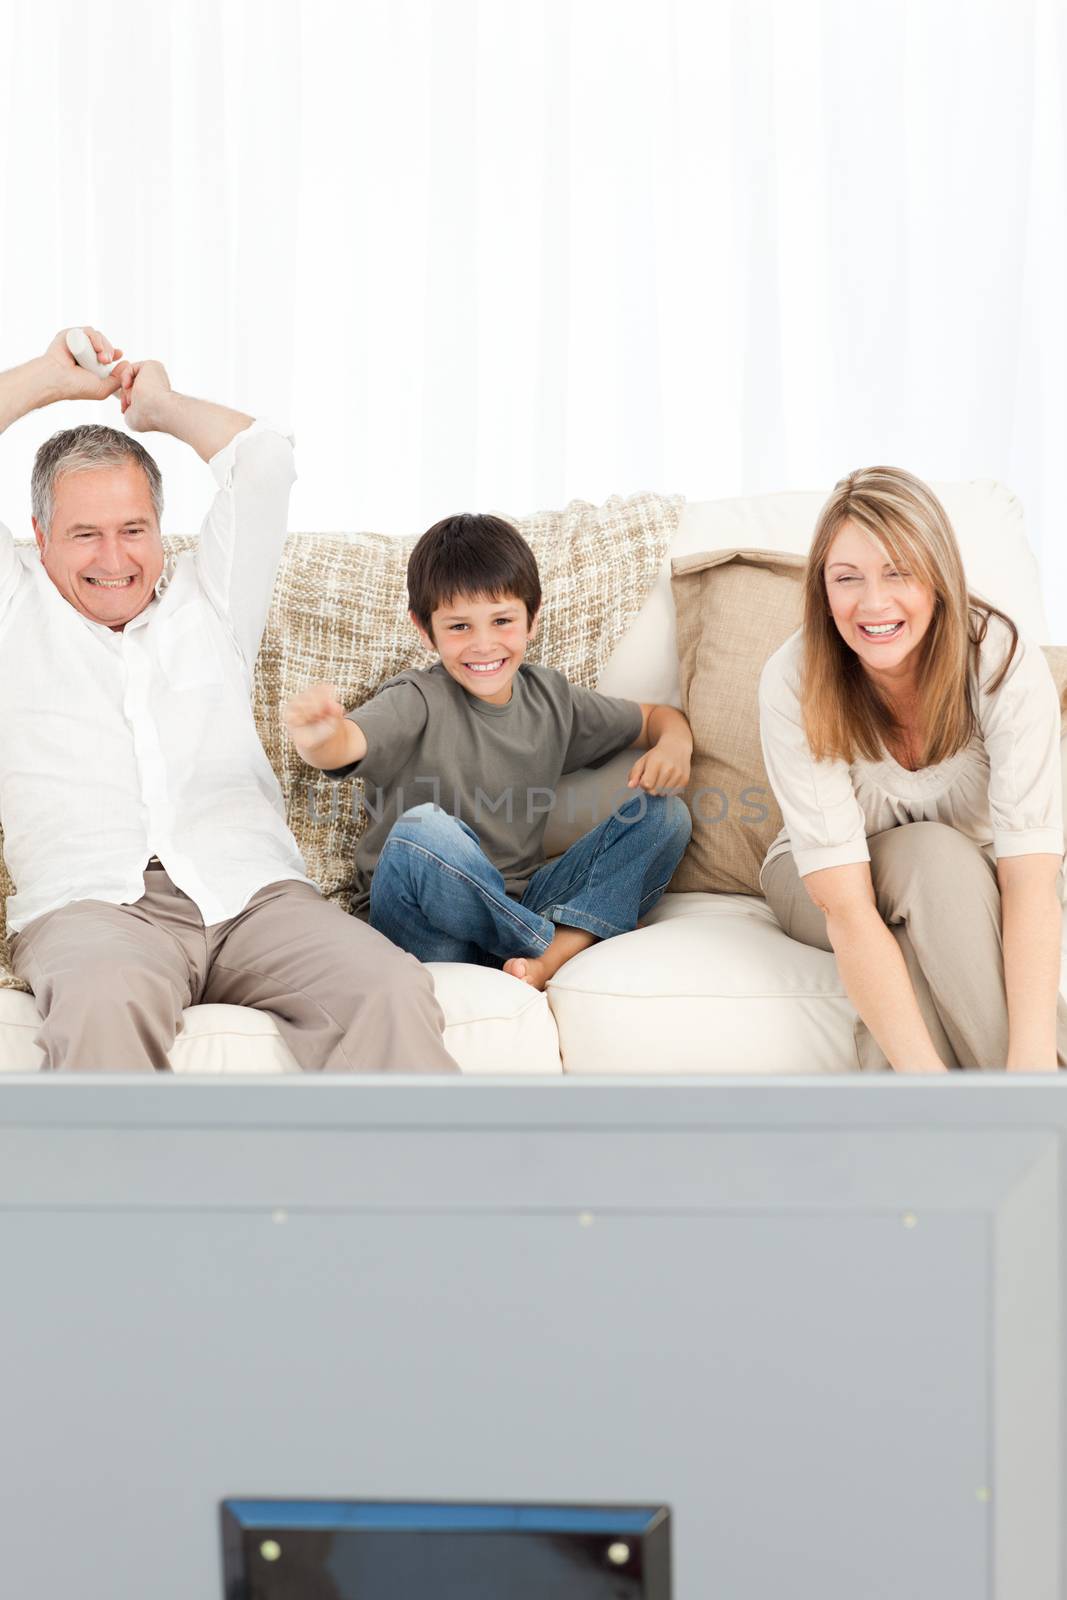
(313,717)
(662,770)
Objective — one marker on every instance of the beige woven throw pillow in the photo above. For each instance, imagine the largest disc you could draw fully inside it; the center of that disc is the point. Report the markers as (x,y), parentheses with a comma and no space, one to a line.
(735,607)
(340,614)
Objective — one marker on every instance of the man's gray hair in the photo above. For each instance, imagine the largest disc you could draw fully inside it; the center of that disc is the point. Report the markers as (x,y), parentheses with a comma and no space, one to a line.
(75,450)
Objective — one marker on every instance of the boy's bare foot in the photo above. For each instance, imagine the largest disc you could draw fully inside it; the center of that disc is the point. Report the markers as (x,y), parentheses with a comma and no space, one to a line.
(528,969)
(536,970)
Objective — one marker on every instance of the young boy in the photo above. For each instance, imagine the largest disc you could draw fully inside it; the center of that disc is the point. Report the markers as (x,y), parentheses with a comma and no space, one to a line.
(463,877)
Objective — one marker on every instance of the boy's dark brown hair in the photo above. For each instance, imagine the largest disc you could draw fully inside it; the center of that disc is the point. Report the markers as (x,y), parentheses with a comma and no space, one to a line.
(472,556)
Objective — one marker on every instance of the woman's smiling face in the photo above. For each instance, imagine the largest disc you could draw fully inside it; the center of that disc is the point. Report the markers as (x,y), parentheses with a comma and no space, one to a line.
(880,610)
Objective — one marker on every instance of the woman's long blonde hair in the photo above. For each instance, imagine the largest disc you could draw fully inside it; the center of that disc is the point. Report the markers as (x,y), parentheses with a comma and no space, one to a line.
(845,716)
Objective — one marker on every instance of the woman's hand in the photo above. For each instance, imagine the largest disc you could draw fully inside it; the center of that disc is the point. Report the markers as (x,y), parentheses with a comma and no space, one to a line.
(872,968)
(1031,921)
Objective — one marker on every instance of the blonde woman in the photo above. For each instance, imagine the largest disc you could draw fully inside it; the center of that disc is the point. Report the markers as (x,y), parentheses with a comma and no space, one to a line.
(912,739)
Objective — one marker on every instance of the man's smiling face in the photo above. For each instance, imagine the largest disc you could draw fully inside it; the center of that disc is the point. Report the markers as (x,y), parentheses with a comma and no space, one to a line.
(104,552)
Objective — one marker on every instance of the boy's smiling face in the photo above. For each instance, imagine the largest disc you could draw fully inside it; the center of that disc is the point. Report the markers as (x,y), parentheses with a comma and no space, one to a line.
(481,642)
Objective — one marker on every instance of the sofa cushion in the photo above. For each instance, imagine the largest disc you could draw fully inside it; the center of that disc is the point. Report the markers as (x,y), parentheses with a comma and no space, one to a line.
(735,607)
(493,1024)
(1056,656)
(707,984)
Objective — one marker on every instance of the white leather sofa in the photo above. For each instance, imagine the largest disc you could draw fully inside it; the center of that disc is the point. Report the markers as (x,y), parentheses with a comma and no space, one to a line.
(709,984)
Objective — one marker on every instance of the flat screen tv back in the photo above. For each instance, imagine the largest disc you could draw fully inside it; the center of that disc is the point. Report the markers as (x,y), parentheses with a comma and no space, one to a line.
(371,1550)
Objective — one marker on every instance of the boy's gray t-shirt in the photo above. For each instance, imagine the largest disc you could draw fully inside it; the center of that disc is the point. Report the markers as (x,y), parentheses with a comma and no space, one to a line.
(494,767)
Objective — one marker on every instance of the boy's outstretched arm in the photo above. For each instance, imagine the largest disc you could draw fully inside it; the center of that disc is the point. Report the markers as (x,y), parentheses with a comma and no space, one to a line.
(319,729)
(667,740)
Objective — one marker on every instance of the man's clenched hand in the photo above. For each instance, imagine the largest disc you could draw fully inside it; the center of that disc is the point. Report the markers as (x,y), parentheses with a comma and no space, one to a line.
(150,405)
(144,393)
(72,382)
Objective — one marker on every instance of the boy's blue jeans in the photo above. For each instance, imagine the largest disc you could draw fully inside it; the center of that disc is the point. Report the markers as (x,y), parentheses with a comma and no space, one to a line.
(436,894)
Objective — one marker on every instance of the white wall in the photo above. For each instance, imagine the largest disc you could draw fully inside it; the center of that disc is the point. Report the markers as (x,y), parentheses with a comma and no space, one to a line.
(501,254)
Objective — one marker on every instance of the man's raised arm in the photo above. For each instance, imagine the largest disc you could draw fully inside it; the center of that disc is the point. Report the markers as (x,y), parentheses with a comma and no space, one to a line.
(150,405)
(244,531)
(47,378)
(55,376)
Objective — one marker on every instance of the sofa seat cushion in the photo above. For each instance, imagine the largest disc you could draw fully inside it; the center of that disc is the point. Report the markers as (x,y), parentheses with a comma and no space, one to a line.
(493,1024)
(710,984)
(707,984)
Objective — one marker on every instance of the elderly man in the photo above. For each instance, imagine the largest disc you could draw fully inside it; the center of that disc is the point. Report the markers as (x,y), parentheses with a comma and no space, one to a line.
(143,826)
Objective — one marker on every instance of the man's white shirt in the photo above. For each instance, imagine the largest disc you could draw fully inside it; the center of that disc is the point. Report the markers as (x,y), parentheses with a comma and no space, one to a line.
(119,746)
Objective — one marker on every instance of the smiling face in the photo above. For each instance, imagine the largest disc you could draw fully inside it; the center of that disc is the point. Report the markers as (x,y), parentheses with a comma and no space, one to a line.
(103,552)
(481,642)
(880,610)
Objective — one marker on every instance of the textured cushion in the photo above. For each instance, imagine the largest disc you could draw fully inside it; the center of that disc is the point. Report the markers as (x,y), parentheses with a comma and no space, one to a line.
(735,607)
(492,1024)
(340,614)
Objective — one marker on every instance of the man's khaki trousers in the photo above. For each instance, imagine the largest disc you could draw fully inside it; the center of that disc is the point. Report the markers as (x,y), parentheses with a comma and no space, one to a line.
(111,981)
(938,894)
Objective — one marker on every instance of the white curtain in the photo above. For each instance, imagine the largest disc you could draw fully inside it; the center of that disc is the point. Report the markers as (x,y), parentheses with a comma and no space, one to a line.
(499,254)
